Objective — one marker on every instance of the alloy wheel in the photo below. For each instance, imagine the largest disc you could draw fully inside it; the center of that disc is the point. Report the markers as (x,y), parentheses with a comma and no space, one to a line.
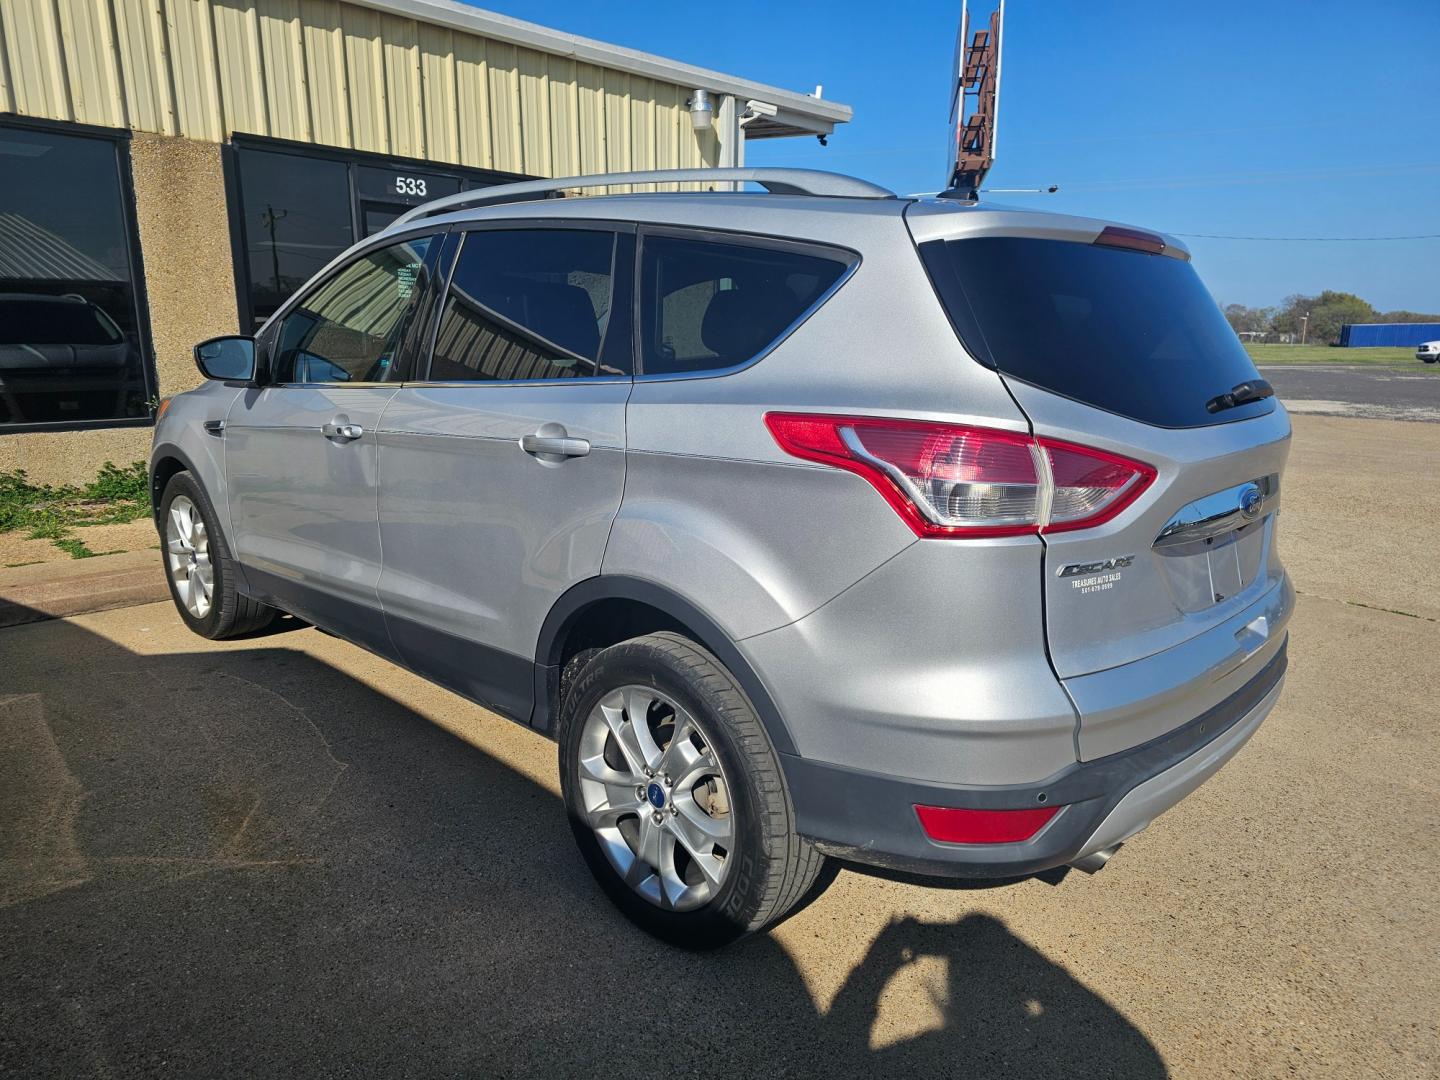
(656,797)
(187,546)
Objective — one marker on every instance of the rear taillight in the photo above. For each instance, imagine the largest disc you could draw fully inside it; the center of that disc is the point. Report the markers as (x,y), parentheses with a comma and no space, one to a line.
(958,481)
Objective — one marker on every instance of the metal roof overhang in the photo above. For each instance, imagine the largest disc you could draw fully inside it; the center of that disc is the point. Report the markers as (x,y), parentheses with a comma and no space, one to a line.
(799,114)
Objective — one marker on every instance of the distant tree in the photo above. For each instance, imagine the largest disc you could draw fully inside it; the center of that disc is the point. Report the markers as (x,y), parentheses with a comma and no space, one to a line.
(1327,313)
(1248,320)
(1405,316)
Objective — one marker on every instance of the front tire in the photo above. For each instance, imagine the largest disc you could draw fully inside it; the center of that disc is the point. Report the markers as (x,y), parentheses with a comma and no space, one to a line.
(675,795)
(199,567)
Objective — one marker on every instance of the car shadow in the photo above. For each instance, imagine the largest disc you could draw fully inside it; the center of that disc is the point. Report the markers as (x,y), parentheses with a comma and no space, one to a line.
(245,861)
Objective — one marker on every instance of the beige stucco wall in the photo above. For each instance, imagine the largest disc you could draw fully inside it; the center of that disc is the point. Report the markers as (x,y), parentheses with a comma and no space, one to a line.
(190,282)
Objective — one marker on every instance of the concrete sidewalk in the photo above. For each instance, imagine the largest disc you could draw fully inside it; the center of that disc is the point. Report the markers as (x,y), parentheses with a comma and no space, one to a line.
(56,590)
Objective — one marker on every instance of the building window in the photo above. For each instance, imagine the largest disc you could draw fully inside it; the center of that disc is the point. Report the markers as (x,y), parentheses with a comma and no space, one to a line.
(299,209)
(72,349)
(296,216)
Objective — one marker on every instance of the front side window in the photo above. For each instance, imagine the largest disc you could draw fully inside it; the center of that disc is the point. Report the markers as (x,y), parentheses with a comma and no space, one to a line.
(71,349)
(353,327)
(708,305)
(528,304)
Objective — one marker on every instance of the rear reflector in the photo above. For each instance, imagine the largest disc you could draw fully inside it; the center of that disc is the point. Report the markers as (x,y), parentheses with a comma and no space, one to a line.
(950,825)
(951,480)
(1130,240)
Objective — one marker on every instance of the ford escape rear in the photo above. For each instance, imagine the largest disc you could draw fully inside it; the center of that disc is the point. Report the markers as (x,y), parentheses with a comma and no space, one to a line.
(919,533)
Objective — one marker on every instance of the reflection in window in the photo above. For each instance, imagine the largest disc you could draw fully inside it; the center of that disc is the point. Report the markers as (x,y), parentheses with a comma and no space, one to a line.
(526,305)
(70,346)
(352,327)
(297,218)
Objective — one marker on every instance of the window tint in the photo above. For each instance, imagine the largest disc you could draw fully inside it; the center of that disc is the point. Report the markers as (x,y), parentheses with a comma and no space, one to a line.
(709,305)
(528,304)
(352,327)
(1130,333)
(70,344)
(296,216)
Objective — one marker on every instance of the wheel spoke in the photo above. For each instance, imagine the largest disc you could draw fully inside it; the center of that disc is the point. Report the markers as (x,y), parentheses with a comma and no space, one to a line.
(684,763)
(637,711)
(612,711)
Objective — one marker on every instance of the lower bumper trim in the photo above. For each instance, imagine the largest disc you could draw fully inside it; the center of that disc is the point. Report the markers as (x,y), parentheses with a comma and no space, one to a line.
(870,818)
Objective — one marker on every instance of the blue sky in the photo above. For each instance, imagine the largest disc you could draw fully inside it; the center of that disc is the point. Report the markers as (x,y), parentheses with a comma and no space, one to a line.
(1265,118)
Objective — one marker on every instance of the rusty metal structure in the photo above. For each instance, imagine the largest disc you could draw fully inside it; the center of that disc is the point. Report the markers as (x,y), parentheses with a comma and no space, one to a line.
(974,102)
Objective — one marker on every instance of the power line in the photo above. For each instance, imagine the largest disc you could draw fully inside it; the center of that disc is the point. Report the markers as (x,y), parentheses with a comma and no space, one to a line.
(1308,239)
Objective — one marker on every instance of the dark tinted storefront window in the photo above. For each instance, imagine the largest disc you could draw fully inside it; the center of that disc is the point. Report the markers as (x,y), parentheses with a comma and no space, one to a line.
(71,349)
(296,218)
(299,210)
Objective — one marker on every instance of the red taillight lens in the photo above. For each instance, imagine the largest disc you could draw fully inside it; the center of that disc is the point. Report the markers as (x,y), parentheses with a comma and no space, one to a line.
(954,826)
(954,480)
(1090,486)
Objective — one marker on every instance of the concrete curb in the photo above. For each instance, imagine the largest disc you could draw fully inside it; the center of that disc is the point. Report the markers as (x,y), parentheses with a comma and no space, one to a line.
(58,590)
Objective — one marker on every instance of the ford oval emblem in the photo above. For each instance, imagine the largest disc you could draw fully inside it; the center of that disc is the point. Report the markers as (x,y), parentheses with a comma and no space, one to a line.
(656,794)
(1251,501)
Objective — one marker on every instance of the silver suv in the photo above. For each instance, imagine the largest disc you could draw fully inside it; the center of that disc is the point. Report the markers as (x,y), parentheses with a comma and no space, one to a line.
(815,522)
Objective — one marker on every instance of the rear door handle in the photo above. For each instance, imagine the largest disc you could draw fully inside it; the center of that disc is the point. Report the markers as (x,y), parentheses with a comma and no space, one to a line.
(341,432)
(546,446)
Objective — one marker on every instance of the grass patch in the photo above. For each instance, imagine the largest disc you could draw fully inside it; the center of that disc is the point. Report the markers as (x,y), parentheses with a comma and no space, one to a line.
(1324,354)
(50,512)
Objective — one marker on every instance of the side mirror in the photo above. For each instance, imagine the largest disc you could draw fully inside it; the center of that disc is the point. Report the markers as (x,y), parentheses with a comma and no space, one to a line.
(231,359)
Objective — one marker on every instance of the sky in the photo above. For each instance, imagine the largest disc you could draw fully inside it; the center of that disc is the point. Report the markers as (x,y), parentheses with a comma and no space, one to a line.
(1306,118)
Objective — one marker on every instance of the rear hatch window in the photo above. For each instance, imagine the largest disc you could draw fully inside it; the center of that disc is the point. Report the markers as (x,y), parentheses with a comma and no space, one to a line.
(1128,332)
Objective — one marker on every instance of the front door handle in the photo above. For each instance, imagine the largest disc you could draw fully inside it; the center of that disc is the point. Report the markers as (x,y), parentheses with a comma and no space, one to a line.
(552,443)
(341,432)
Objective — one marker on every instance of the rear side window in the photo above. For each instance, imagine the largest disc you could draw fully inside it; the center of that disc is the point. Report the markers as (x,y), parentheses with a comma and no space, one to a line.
(708,305)
(530,304)
(1131,333)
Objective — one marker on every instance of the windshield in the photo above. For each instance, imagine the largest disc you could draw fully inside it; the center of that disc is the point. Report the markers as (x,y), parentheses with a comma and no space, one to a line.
(1127,332)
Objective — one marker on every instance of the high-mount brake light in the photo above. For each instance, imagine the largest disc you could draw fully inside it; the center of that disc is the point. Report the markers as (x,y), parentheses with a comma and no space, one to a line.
(953,480)
(1131,240)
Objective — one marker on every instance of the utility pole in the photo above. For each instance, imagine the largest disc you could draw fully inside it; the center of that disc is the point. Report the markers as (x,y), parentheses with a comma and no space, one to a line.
(270,217)
(1304,326)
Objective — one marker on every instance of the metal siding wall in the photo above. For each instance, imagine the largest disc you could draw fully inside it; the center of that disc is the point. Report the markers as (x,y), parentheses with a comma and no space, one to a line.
(333,73)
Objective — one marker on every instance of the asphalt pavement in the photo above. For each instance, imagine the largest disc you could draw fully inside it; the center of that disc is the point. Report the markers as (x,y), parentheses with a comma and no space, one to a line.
(281,856)
(1376,393)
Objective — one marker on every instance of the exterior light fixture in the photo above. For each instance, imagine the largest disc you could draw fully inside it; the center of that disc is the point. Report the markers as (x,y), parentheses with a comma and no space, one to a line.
(702,114)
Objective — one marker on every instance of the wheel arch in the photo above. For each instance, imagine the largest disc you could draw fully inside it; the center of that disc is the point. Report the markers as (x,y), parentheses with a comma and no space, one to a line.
(166,460)
(612,608)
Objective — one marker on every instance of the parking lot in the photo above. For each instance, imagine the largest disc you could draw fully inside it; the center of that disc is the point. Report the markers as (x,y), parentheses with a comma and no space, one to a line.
(1376,393)
(282,855)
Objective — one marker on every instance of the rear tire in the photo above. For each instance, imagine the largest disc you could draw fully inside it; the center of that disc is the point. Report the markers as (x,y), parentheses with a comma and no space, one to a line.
(199,568)
(676,797)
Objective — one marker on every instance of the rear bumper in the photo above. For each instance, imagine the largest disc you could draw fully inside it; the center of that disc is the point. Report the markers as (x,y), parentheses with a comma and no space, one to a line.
(870,818)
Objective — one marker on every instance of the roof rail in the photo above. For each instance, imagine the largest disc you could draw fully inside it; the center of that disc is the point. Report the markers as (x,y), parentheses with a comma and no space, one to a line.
(775,181)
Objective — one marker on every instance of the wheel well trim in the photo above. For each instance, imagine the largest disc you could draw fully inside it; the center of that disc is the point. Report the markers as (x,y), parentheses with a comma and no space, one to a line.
(706,632)
(158,454)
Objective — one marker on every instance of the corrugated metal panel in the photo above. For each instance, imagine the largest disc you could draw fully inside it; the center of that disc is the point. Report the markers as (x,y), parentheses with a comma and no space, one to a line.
(339,74)
(1393,335)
